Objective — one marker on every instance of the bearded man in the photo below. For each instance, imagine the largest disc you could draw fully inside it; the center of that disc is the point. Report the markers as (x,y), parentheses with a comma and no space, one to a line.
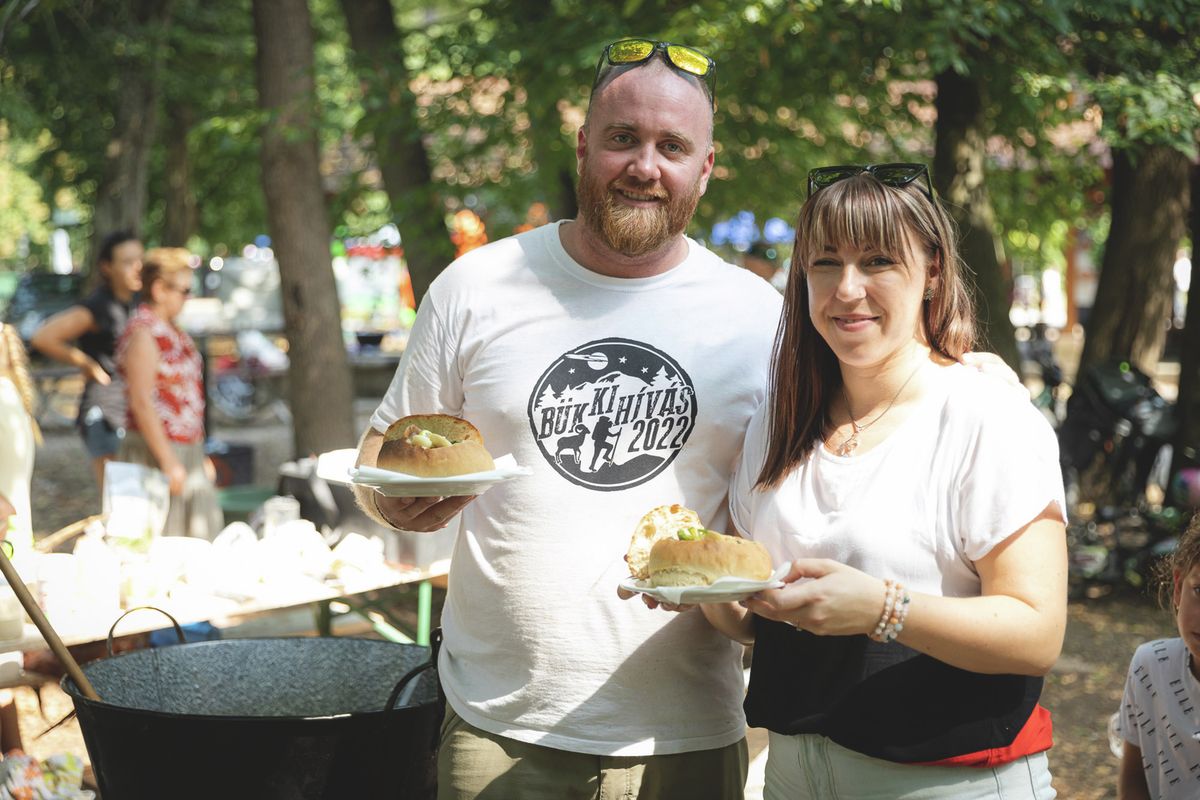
(555,687)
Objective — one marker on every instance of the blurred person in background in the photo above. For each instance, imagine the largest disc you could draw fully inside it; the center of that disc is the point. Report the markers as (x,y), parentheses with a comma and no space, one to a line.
(10,730)
(165,393)
(762,260)
(85,336)
(18,436)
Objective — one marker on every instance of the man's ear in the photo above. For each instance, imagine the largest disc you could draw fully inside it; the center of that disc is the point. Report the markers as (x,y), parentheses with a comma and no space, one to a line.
(706,172)
(580,148)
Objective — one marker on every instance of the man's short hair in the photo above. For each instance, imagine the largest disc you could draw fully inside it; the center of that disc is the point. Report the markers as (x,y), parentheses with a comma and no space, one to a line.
(612,72)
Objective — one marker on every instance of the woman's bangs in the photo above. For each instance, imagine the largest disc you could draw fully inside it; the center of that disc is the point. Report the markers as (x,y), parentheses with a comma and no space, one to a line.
(857,211)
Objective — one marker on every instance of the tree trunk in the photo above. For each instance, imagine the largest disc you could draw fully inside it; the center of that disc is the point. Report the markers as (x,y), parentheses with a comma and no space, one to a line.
(319,375)
(180,218)
(959,169)
(122,191)
(555,156)
(1133,298)
(1187,406)
(553,153)
(417,206)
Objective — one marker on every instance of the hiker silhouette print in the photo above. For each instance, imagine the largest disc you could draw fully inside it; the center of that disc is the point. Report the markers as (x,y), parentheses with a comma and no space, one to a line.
(612,413)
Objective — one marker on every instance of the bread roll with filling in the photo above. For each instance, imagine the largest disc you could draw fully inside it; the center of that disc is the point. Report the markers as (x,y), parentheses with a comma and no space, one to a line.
(699,562)
(663,522)
(433,446)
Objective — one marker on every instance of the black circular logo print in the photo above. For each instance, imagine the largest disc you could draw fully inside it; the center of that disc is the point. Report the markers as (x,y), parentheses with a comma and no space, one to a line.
(612,414)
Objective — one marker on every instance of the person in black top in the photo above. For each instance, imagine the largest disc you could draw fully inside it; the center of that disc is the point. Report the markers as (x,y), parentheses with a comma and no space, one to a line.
(85,336)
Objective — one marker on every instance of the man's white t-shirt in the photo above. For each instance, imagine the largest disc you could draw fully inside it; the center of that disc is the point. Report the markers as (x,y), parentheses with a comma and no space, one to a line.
(1160,715)
(621,395)
(972,465)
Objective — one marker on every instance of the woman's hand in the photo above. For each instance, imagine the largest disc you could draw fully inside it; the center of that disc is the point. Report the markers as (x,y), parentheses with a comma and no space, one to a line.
(835,600)
(176,476)
(650,602)
(728,618)
(92,371)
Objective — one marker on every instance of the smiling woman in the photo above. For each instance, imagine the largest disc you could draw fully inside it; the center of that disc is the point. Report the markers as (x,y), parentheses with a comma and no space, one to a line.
(920,506)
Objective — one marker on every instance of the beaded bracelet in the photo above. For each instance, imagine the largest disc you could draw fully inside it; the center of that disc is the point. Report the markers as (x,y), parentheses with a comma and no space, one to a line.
(895,622)
(891,590)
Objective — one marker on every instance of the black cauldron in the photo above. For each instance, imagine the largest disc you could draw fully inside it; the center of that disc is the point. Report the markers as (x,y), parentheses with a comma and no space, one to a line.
(264,719)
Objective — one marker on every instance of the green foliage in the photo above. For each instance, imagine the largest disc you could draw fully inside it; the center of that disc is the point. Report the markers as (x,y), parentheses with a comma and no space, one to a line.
(502,87)
(24,215)
(1141,64)
(1150,109)
(210,72)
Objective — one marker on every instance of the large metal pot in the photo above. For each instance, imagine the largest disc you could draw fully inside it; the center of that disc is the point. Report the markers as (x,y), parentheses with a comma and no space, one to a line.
(264,719)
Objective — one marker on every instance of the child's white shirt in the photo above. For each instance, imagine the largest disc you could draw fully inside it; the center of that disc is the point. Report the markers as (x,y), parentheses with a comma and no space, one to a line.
(1160,714)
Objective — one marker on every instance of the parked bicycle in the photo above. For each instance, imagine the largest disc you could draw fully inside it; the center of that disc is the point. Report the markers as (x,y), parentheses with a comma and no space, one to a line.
(1118,547)
(1039,349)
(1115,430)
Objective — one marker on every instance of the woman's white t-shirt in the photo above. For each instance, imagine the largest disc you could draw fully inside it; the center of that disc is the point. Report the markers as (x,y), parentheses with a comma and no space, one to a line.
(973,464)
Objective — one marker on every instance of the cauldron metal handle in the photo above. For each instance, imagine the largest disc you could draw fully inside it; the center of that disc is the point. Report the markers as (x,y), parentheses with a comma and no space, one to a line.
(435,643)
(178,630)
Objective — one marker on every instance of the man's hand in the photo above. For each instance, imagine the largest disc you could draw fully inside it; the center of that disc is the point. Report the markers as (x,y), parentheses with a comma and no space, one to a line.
(406,513)
(420,513)
(994,365)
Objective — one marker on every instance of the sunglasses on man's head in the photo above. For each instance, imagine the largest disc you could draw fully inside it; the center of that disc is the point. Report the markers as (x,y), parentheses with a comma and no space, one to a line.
(896,175)
(639,51)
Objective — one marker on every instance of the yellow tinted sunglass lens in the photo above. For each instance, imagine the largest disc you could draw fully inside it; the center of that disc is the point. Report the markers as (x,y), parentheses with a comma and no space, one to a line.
(629,51)
(688,60)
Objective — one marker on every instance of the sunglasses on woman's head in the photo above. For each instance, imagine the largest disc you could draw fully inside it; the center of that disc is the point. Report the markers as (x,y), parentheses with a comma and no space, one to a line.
(640,51)
(897,175)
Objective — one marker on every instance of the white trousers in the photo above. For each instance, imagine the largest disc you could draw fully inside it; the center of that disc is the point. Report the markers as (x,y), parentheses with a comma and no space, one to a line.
(812,767)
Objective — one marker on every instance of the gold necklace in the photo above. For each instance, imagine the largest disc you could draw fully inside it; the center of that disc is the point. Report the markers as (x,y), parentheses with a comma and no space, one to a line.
(850,443)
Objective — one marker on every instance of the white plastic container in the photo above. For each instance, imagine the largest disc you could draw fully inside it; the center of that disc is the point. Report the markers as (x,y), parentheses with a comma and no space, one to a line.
(277,512)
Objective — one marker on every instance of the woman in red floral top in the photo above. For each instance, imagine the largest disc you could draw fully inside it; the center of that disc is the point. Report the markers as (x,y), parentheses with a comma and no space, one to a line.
(165,382)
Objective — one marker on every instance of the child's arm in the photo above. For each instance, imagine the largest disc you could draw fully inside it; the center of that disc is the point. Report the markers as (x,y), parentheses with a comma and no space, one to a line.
(1131,783)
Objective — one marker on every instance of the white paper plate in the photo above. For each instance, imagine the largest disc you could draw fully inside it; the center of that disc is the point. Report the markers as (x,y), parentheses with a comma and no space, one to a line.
(722,590)
(338,467)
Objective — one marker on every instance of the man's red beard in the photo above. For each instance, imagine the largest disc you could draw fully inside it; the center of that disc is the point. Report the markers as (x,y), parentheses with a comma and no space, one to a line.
(628,230)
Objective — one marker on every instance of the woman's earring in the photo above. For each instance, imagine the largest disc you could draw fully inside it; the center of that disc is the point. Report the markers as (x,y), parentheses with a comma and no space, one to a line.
(928,293)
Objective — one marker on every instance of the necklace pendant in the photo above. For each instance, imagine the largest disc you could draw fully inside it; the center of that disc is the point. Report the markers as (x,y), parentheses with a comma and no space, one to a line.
(849,446)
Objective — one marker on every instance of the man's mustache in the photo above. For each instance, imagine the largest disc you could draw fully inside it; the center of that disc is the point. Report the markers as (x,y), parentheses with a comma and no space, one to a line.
(650,190)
